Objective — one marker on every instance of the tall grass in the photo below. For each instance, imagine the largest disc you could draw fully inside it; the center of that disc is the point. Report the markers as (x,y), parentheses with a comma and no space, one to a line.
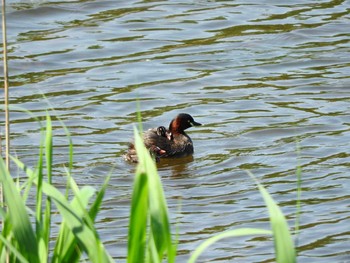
(24,242)
(284,247)
(150,238)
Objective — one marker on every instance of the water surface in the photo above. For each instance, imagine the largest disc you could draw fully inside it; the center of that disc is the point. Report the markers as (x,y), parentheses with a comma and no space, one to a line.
(260,76)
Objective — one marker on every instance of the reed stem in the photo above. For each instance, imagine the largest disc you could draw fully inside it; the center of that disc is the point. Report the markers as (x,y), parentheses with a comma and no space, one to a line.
(6,102)
(6,87)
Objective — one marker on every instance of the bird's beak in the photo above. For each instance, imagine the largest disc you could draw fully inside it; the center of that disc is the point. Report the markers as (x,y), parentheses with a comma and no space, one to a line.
(193,123)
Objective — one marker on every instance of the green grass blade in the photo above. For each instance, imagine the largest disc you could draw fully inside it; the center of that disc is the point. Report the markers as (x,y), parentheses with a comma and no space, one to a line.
(70,145)
(31,177)
(68,134)
(29,172)
(95,207)
(66,249)
(152,254)
(43,250)
(48,148)
(138,219)
(85,236)
(231,233)
(13,250)
(46,223)
(39,195)
(159,219)
(284,247)
(80,202)
(18,217)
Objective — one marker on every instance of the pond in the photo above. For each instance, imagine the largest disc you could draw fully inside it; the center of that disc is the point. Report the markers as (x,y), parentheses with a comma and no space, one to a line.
(262,78)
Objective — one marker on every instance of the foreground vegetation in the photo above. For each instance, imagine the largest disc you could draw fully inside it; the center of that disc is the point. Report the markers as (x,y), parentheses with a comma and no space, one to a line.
(26,233)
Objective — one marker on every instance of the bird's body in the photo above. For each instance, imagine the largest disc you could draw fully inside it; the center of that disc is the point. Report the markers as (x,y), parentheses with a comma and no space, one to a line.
(173,142)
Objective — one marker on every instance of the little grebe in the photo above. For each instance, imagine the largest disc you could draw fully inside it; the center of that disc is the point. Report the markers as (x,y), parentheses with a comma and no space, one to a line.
(173,142)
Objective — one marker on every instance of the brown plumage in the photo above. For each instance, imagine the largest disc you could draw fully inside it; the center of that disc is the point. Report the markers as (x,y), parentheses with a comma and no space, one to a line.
(173,142)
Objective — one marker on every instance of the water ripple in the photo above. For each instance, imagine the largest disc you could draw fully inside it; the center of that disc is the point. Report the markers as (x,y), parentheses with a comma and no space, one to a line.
(261,77)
